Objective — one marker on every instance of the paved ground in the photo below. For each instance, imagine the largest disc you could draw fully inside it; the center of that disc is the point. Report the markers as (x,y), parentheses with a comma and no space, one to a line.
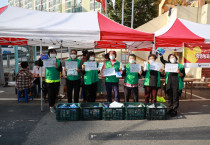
(26,124)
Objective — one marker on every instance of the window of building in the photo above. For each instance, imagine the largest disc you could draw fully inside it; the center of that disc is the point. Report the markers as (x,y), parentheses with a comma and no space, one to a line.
(68,5)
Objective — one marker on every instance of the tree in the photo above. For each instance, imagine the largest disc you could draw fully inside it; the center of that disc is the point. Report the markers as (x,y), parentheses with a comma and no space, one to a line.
(144,11)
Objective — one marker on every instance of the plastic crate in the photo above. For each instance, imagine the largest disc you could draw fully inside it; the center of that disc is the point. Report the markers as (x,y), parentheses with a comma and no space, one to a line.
(67,114)
(156,113)
(113,113)
(89,111)
(135,113)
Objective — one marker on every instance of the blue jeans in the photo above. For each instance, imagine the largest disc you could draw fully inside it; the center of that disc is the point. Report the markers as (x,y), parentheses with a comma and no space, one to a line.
(115,87)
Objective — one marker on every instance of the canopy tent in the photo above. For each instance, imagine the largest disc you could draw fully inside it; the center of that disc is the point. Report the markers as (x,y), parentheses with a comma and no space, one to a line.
(181,31)
(78,30)
(20,26)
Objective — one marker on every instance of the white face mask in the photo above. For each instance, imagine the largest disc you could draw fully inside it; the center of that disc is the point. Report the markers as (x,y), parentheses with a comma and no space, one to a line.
(132,61)
(73,56)
(112,57)
(173,60)
(53,55)
(92,58)
(151,61)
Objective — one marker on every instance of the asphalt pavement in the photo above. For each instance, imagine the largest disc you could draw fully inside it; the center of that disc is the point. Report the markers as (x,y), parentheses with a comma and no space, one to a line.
(25,124)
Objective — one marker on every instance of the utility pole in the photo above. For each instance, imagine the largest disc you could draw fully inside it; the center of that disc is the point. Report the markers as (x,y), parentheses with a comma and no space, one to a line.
(132,16)
(94,5)
(2,78)
(123,2)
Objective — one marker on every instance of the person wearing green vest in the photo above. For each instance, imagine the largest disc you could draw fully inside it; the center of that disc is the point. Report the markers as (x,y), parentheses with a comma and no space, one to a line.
(83,91)
(174,83)
(151,80)
(131,80)
(112,81)
(73,78)
(90,78)
(52,78)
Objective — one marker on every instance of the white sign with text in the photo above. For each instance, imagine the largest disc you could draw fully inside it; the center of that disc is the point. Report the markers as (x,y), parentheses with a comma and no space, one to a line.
(155,66)
(49,63)
(171,67)
(90,66)
(109,72)
(135,67)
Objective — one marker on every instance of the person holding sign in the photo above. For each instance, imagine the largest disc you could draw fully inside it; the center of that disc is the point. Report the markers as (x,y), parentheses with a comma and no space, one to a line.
(132,72)
(174,84)
(73,76)
(152,79)
(112,81)
(90,77)
(52,78)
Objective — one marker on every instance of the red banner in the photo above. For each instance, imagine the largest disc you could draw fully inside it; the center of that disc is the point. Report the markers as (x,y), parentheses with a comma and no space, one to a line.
(197,55)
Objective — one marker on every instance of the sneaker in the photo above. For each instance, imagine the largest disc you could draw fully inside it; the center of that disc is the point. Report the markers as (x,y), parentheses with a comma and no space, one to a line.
(52,110)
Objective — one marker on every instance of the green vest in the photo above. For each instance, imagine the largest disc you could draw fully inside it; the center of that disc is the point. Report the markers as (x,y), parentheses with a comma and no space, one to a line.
(52,75)
(90,77)
(131,78)
(113,79)
(181,79)
(77,77)
(147,77)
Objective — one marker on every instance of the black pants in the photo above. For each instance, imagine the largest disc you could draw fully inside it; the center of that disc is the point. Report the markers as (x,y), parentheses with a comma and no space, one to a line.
(70,86)
(52,89)
(91,91)
(173,98)
(134,91)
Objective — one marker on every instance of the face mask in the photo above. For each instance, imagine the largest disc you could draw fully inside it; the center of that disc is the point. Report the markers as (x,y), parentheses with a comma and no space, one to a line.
(173,60)
(53,55)
(112,57)
(132,61)
(151,61)
(92,58)
(73,56)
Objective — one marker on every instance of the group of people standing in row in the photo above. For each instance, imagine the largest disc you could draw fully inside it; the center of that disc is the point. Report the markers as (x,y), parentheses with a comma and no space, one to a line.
(88,79)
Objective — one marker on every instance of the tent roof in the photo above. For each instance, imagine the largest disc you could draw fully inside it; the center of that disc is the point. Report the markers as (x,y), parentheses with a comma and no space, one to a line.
(78,30)
(182,31)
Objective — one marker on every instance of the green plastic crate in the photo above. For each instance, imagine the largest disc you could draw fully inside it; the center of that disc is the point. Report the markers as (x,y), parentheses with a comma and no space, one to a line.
(135,113)
(89,112)
(67,114)
(113,113)
(156,113)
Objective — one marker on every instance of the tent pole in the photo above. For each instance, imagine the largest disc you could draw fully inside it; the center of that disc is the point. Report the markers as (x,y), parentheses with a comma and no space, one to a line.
(61,51)
(16,59)
(153,46)
(121,55)
(41,76)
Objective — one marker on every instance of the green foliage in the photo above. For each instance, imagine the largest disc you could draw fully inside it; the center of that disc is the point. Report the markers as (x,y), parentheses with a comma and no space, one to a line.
(144,11)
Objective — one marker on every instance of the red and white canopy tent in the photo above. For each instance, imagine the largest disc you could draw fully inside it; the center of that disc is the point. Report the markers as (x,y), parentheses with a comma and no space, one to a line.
(175,34)
(20,26)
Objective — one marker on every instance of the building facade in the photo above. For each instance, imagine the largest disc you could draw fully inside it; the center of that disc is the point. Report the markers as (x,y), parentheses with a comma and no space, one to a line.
(61,6)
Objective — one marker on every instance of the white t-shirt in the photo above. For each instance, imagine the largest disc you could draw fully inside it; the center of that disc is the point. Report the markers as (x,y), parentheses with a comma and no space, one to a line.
(35,70)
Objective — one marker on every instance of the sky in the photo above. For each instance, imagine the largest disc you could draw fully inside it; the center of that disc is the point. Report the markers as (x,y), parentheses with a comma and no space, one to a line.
(3,3)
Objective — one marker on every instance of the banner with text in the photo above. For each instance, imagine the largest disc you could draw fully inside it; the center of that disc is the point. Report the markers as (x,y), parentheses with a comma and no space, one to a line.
(197,55)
